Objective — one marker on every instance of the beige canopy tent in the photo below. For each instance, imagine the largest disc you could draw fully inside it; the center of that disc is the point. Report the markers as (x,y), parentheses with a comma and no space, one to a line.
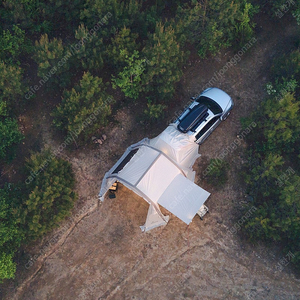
(160,171)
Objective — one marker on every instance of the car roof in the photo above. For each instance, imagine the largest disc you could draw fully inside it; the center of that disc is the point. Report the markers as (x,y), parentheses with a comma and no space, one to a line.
(218,96)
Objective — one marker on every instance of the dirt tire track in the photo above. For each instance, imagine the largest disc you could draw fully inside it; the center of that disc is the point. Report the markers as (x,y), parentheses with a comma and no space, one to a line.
(41,261)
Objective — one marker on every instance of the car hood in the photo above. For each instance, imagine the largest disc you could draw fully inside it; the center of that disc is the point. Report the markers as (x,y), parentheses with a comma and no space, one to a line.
(219,96)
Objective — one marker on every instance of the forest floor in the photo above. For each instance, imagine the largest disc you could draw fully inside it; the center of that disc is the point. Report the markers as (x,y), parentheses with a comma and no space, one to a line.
(101,253)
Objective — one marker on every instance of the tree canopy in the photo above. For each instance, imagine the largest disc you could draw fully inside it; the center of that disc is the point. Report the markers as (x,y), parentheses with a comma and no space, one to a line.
(50,188)
(272,172)
(84,108)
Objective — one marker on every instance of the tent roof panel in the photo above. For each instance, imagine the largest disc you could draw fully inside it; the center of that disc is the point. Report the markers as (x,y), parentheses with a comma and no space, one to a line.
(183,198)
(134,170)
(158,177)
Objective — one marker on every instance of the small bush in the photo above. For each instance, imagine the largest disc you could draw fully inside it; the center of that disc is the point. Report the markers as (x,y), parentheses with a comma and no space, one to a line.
(217,172)
(154,111)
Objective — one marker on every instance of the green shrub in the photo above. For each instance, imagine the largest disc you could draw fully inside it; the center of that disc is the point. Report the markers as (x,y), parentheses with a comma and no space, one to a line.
(217,172)
(154,111)
(129,80)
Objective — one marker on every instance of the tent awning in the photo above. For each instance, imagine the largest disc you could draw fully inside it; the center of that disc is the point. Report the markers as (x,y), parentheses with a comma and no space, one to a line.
(183,198)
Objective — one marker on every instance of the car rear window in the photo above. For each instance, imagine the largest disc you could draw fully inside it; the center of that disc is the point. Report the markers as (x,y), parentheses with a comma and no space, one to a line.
(211,104)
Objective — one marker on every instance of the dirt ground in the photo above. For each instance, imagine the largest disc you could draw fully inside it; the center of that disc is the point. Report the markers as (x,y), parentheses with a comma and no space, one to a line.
(101,253)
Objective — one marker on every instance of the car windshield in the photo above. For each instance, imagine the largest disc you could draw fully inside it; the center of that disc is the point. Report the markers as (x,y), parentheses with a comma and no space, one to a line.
(212,105)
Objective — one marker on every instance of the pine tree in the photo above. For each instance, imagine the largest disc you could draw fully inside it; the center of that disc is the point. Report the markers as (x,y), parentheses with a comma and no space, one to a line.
(10,137)
(287,66)
(42,16)
(213,25)
(283,128)
(11,87)
(289,216)
(278,8)
(10,237)
(84,108)
(31,15)
(13,45)
(123,44)
(112,15)
(53,61)
(50,183)
(164,59)
(89,49)
(272,174)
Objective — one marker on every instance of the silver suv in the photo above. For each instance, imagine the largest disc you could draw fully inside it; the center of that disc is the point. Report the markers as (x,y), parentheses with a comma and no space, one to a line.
(205,113)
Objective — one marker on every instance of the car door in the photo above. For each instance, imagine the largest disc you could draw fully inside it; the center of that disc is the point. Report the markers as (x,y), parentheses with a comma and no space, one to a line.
(215,123)
(207,130)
